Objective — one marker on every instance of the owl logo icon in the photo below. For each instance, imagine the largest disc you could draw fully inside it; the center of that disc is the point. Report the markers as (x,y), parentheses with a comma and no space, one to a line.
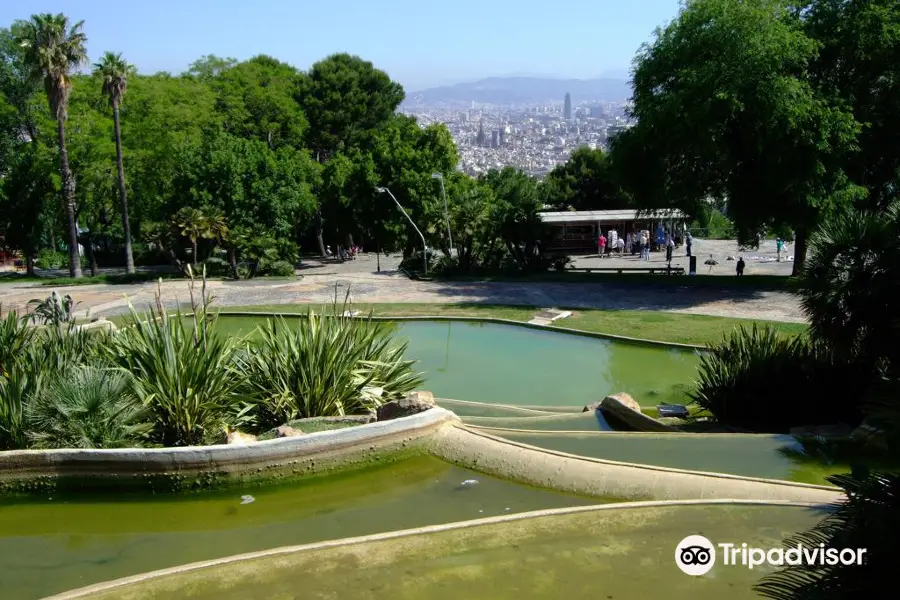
(695,555)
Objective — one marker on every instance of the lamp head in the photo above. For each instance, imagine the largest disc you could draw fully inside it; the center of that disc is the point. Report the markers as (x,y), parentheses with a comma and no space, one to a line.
(437,176)
(380,190)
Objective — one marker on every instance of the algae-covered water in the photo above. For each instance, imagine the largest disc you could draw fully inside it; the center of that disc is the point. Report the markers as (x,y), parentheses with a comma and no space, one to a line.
(60,544)
(506,364)
(757,455)
(619,554)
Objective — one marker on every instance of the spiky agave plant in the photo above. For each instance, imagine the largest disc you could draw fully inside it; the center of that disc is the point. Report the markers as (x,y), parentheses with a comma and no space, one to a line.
(325,364)
(88,407)
(17,388)
(15,337)
(868,518)
(185,373)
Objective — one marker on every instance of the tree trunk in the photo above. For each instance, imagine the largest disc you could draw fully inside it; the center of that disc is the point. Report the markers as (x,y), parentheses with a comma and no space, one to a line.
(232,260)
(319,235)
(89,244)
(68,188)
(120,165)
(29,265)
(799,251)
(194,253)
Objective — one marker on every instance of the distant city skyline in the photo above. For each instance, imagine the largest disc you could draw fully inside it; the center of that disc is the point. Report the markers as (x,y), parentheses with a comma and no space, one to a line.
(417,44)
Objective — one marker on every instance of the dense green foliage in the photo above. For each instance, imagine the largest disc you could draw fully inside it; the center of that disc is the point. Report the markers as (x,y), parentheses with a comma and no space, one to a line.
(174,380)
(281,160)
(356,368)
(760,381)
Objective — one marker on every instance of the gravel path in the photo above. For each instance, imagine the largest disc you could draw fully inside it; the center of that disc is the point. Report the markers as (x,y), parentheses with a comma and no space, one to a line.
(321,281)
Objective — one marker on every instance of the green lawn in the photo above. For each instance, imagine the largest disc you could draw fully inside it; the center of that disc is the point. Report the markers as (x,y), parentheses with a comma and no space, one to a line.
(727,282)
(662,326)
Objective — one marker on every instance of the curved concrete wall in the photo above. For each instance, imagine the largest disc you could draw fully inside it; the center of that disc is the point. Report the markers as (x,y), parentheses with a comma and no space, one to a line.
(608,479)
(197,467)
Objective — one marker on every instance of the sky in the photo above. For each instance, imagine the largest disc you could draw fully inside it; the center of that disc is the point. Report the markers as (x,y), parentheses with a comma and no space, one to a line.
(419,44)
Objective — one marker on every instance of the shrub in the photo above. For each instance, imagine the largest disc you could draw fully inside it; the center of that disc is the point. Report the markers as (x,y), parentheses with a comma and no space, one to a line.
(868,518)
(184,373)
(15,337)
(217,267)
(16,389)
(325,365)
(761,381)
(278,268)
(51,259)
(87,407)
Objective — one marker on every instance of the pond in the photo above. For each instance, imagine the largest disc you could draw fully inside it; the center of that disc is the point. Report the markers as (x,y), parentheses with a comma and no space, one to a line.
(59,544)
(622,554)
(506,364)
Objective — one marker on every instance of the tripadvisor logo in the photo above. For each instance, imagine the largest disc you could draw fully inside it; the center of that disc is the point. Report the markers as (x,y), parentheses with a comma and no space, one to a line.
(696,555)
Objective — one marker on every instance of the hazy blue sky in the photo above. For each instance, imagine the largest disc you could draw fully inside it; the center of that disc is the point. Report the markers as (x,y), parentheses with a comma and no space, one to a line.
(420,44)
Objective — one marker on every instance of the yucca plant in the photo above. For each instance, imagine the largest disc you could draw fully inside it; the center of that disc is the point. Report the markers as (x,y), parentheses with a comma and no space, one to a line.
(53,310)
(17,388)
(868,518)
(15,337)
(88,407)
(324,365)
(759,380)
(185,373)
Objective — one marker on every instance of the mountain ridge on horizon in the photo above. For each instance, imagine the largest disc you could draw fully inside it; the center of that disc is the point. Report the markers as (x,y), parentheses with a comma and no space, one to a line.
(521,89)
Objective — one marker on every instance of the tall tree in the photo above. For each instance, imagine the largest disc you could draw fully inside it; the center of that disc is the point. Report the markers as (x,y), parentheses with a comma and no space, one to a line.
(858,65)
(113,72)
(52,50)
(584,182)
(723,99)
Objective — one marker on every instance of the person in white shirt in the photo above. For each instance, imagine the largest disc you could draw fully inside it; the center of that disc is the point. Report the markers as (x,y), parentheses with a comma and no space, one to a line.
(620,246)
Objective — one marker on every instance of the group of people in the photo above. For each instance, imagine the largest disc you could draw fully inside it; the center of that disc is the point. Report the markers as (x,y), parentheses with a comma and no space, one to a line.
(344,253)
(640,242)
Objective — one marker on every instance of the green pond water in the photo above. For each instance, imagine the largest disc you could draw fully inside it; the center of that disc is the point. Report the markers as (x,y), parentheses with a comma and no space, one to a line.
(620,554)
(55,545)
(506,364)
(748,455)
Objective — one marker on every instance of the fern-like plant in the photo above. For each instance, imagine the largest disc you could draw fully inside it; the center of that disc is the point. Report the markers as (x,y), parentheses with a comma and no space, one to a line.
(88,407)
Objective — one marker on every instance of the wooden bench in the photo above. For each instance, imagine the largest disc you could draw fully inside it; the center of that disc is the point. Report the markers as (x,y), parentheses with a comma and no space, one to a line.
(620,270)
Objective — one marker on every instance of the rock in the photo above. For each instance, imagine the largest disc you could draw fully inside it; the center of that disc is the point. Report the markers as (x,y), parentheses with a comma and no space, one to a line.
(287,431)
(622,397)
(622,408)
(625,399)
(838,430)
(239,438)
(871,435)
(414,403)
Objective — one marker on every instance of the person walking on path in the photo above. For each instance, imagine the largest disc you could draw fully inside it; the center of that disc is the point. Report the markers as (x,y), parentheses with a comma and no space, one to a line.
(601,245)
(670,247)
(779,244)
(688,242)
(740,266)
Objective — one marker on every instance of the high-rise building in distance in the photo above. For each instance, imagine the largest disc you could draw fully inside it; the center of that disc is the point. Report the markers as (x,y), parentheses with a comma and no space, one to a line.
(567,107)
(480,138)
(502,137)
(495,138)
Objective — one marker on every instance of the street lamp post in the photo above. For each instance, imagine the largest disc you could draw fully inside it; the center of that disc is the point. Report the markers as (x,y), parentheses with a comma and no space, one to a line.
(383,190)
(440,178)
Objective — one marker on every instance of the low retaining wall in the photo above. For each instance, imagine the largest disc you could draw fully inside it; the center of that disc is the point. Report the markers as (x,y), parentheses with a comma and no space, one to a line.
(608,479)
(203,467)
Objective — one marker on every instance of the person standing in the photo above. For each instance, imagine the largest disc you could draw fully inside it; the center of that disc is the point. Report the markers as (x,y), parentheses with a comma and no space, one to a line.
(620,246)
(688,242)
(601,245)
(740,266)
(629,242)
(779,244)
(670,247)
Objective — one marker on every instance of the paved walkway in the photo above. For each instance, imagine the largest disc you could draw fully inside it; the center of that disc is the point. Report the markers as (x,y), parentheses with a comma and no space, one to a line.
(320,283)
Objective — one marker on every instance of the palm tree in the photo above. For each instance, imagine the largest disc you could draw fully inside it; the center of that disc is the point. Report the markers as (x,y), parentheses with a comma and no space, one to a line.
(51,50)
(192,224)
(113,71)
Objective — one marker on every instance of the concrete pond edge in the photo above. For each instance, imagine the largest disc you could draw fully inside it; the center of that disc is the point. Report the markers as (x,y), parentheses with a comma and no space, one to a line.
(614,480)
(194,468)
(86,592)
